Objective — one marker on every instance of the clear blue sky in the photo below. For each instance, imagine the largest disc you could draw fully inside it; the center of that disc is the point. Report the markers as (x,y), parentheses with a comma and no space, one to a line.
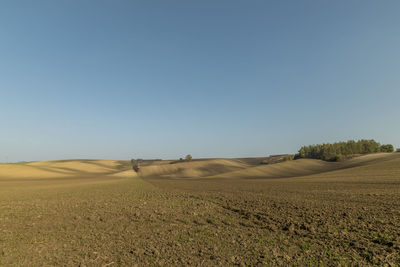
(122,79)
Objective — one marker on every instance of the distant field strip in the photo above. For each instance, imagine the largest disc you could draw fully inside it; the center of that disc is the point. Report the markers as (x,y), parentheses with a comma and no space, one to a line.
(233,168)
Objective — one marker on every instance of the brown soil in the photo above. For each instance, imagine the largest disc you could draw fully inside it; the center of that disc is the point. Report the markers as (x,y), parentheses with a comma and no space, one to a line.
(99,213)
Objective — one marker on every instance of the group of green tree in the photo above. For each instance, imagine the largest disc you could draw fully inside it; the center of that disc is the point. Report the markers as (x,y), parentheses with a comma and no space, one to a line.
(340,150)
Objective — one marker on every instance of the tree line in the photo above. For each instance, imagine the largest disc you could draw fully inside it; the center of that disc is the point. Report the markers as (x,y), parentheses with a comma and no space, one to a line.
(340,150)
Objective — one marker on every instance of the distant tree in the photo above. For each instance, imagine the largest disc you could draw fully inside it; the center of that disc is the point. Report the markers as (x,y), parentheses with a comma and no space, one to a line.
(135,165)
(302,152)
(398,150)
(387,148)
(188,157)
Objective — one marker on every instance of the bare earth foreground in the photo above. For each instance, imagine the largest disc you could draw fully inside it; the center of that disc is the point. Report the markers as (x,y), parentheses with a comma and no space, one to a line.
(205,212)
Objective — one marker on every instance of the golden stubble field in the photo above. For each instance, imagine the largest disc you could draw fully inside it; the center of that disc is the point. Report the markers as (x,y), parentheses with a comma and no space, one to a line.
(204,212)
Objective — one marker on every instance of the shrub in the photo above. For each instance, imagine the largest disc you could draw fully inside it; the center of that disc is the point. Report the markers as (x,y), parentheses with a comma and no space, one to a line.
(188,157)
(338,158)
(387,148)
(297,156)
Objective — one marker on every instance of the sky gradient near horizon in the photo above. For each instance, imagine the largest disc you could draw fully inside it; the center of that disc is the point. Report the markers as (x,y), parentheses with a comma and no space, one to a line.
(162,79)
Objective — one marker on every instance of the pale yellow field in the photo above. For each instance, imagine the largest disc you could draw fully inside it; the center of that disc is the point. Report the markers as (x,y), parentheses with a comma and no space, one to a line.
(194,169)
(62,169)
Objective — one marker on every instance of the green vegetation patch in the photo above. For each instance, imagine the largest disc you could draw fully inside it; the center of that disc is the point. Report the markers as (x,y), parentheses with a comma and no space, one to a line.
(341,150)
